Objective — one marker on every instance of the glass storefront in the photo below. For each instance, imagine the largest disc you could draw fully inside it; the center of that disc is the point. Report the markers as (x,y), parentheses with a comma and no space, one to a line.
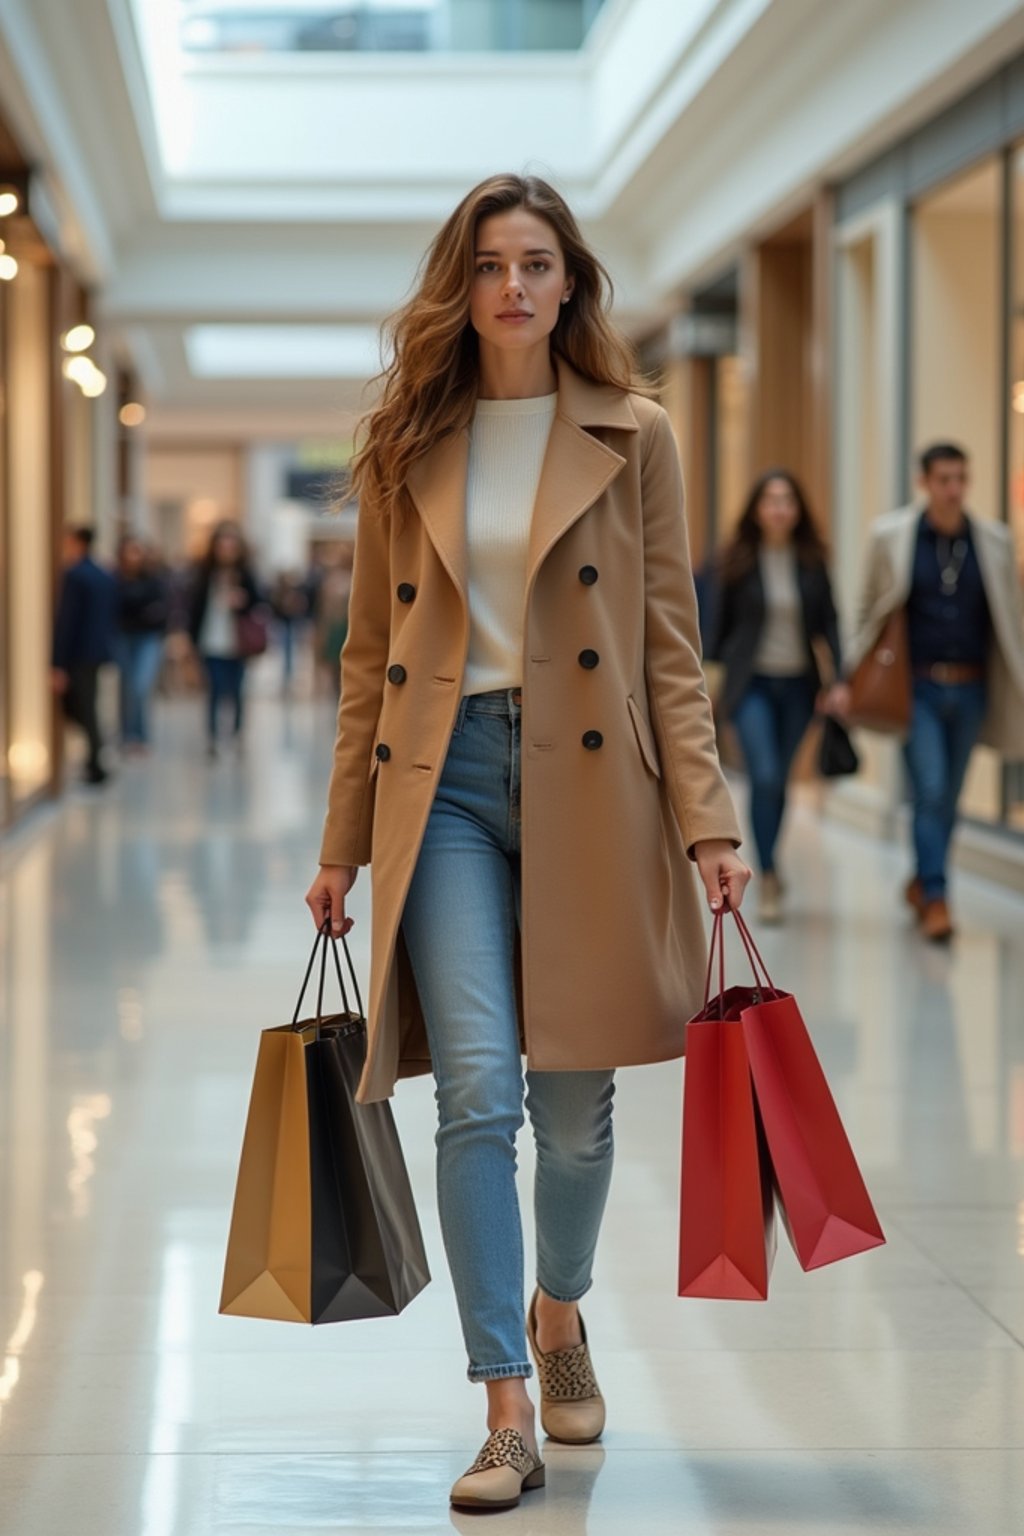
(28,711)
(1014,413)
(47,477)
(963,346)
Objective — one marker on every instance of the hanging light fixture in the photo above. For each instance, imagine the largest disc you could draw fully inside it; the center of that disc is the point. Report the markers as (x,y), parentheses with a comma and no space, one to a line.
(81,370)
(78,339)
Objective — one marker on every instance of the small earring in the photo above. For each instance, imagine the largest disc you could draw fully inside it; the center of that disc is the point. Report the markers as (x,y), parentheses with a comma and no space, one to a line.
(566,298)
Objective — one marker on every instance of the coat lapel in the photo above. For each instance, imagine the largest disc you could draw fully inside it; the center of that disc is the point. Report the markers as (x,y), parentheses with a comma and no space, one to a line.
(577,466)
(437,485)
(904,543)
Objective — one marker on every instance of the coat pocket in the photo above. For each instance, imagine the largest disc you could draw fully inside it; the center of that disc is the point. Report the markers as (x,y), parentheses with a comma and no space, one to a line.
(644,737)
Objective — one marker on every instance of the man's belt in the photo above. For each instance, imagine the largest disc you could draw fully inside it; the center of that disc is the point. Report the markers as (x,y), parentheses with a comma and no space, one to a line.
(951,672)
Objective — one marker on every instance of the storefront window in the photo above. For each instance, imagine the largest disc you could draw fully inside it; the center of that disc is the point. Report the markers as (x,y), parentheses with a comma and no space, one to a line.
(29,702)
(956,367)
(1014,787)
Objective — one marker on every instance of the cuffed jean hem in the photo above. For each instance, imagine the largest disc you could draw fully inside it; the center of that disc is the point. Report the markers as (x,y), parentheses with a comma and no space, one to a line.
(498,1372)
(554,1295)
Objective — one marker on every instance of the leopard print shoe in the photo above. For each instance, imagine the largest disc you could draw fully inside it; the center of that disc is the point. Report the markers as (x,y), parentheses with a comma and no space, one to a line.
(571,1406)
(504,1470)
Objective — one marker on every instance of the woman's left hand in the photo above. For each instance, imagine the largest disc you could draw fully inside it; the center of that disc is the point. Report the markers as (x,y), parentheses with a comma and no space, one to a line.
(723,872)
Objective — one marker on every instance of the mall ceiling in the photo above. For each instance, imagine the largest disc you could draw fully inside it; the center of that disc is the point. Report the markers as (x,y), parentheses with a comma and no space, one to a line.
(297,192)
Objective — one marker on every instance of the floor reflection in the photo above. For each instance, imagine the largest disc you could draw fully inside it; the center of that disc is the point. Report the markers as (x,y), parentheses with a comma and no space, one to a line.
(147,935)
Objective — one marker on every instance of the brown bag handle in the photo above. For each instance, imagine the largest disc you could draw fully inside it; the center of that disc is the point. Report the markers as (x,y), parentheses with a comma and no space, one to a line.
(323,938)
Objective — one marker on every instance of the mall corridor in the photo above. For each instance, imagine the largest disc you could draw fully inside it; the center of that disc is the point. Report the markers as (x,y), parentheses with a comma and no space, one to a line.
(620,405)
(149,933)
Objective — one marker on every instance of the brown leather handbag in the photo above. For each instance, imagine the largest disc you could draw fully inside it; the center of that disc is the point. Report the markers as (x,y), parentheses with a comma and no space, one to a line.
(880,688)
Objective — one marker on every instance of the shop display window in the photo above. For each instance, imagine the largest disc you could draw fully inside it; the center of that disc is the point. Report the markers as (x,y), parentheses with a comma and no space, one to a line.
(956,369)
(27,541)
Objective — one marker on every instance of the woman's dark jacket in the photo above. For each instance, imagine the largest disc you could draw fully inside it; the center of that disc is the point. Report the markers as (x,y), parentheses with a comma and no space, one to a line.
(738,619)
(143,604)
(199,595)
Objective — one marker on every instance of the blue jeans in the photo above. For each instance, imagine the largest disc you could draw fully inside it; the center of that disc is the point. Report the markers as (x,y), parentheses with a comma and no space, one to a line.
(771,719)
(460,922)
(138,657)
(944,726)
(225,675)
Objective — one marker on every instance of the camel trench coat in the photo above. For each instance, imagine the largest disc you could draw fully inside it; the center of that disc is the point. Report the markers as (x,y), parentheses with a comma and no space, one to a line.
(612,947)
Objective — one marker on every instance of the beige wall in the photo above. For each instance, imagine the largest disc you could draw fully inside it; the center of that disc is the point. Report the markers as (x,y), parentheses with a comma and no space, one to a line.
(957,316)
(188,490)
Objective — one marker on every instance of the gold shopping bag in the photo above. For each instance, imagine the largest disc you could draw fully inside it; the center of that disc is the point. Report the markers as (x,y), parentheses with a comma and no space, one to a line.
(324,1227)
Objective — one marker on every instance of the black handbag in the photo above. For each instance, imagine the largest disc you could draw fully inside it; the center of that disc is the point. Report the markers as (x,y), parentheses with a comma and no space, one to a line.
(837,755)
(324,1228)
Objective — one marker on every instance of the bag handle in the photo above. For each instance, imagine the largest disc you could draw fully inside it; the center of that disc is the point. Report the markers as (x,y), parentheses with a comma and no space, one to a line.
(762,980)
(717,943)
(323,938)
(753,953)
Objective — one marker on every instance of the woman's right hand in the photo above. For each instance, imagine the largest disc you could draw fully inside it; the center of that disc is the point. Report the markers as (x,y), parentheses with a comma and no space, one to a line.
(326,897)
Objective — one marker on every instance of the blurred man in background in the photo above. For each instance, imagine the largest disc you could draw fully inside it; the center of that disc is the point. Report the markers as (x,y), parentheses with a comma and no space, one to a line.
(955,576)
(83,641)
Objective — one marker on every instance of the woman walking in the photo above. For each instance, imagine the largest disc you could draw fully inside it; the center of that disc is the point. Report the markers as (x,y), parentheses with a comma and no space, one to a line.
(525,752)
(774,601)
(224,589)
(143,608)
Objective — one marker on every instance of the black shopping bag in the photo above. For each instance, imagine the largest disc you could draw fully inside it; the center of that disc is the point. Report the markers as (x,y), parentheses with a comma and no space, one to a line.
(324,1228)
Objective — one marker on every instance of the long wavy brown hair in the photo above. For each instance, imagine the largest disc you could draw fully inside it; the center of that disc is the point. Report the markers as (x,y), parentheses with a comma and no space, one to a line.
(739,556)
(429,387)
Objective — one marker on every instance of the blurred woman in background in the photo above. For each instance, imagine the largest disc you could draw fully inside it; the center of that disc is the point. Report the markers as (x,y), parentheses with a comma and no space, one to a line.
(142,614)
(774,601)
(223,594)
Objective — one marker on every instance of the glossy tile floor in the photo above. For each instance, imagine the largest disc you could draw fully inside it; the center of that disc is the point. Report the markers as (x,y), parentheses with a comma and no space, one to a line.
(146,935)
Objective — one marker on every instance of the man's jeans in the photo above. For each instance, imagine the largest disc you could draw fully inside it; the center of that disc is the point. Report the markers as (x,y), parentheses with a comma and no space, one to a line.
(944,726)
(460,923)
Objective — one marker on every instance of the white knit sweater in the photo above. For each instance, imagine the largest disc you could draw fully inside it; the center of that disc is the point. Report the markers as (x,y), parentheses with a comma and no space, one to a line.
(506,450)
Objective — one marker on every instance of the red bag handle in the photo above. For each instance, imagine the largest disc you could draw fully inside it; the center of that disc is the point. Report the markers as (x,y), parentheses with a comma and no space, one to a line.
(717,942)
(753,953)
(762,980)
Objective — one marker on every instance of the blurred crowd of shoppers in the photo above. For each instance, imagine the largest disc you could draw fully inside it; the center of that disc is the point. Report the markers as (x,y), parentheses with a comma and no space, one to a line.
(768,617)
(770,620)
(137,616)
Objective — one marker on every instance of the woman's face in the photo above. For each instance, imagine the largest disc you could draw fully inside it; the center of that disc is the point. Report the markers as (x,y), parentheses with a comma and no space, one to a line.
(519,280)
(226,548)
(777,510)
(132,557)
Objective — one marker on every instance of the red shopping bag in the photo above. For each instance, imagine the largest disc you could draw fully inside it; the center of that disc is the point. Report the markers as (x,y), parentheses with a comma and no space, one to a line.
(727,1219)
(826,1208)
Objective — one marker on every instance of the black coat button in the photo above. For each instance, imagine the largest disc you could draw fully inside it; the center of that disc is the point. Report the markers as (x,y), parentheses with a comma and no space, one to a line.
(396,674)
(383,751)
(589,659)
(406,592)
(592,740)
(588,575)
